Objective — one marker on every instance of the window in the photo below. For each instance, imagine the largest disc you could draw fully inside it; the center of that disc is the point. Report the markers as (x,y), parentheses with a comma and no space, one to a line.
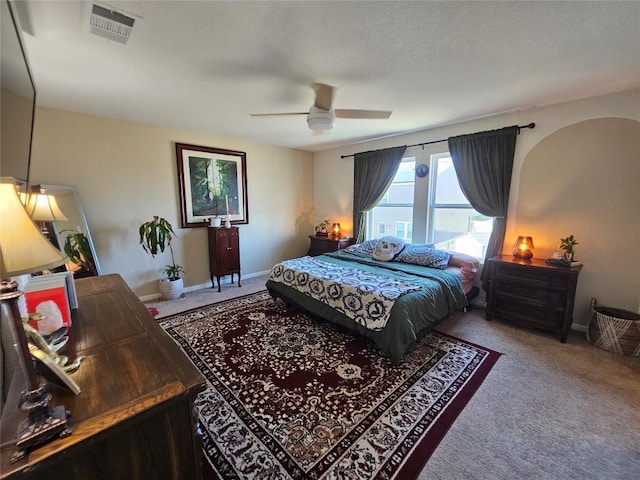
(452,223)
(431,209)
(394,212)
(403,230)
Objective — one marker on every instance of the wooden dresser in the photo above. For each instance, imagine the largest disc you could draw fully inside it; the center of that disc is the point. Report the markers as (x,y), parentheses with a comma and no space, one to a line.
(320,245)
(134,417)
(224,253)
(532,293)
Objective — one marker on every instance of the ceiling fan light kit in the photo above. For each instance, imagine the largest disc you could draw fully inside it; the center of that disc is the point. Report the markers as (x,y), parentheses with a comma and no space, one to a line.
(322,120)
(322,116)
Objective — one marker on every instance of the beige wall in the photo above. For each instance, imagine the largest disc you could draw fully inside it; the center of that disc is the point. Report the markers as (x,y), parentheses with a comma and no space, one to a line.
(126,172)
(584,180)
(590,172)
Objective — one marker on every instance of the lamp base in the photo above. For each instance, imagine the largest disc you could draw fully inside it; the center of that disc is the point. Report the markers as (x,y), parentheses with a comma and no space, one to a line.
(43,423)
(523,254)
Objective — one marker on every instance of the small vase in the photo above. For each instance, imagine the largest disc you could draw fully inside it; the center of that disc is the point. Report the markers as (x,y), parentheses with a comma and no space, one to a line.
(227,223)
(568,257)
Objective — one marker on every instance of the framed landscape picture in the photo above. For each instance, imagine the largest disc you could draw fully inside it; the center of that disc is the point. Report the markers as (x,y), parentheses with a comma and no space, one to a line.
(213,182)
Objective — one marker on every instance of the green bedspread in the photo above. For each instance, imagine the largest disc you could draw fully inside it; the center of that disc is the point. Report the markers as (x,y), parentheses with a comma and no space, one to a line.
(439,296)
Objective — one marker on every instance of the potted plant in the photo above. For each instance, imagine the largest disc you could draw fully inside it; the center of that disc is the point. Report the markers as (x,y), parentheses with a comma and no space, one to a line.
(215,221)
(321,228)
(568,245)
(155,236)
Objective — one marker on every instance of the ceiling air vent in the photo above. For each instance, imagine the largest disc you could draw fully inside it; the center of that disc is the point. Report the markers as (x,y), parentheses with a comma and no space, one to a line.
(110,24)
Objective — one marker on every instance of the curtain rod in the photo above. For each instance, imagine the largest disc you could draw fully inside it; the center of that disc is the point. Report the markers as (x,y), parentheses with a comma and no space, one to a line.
(520,127)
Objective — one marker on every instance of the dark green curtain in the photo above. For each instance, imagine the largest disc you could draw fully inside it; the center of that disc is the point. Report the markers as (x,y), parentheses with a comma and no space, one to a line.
(372,175)
(484,163)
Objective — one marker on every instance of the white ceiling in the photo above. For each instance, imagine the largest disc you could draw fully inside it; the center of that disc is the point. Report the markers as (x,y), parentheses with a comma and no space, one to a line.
(206,65)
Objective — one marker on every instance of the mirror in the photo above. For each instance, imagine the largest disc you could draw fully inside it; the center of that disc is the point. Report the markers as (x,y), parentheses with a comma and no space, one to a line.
(17,100)
(69,202)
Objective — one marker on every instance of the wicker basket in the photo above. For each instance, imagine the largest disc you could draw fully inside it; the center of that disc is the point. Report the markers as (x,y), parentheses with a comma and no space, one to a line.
(615,330)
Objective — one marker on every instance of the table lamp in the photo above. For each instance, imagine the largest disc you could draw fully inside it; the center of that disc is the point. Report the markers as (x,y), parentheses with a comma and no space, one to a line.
(336,231)
(23,249)
(524,246)
(43,209)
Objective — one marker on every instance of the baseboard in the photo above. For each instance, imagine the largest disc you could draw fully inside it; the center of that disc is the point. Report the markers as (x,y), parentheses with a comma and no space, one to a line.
(192,288)
(579,328)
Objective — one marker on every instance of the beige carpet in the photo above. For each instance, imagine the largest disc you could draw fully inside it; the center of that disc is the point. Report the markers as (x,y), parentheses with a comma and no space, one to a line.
(546,411)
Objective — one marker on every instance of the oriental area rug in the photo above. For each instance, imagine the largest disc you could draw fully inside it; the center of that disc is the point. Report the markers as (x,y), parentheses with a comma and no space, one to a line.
(293,397)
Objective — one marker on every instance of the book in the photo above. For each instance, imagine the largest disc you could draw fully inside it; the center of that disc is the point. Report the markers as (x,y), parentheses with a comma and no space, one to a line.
(554,261)
(53,278)
(71,291)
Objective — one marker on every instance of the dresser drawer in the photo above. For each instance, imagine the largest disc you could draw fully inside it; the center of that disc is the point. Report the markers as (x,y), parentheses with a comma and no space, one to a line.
(522,314)
(526,293)
(531,276)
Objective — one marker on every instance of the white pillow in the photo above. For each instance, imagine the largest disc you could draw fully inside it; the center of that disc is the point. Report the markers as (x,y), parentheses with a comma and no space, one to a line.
(387,248)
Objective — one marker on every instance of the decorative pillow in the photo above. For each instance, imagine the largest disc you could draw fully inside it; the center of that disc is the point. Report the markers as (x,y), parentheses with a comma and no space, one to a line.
(364,249)
(425,255)
(387,248)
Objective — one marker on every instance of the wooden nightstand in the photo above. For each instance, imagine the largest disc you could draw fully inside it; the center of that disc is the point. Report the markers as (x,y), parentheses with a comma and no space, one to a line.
(532,293)
(320,245)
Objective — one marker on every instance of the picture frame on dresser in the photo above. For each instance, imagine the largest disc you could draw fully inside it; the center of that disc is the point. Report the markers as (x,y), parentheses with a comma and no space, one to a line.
(212,182)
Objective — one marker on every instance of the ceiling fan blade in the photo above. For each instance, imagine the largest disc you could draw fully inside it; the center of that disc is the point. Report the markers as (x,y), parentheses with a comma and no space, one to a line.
(324,96)
(342,113)
(278,114)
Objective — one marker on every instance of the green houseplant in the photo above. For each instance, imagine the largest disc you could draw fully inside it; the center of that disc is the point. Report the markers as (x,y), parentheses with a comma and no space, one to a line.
(568,245)
(155,236)
(321,228)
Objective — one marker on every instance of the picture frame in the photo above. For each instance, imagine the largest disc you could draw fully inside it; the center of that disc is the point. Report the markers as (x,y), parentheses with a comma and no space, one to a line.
(213,182)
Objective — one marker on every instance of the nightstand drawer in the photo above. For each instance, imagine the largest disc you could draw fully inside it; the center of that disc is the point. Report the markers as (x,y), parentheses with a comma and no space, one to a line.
(320,245)
(524,315)
(526,293)
(531,276)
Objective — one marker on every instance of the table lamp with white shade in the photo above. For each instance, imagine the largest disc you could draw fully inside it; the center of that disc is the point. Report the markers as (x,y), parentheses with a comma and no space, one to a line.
(23,249)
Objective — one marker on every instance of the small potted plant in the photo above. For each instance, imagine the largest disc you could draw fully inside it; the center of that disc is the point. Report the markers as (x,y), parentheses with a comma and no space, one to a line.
(568,245)
(321,228)
(155,236)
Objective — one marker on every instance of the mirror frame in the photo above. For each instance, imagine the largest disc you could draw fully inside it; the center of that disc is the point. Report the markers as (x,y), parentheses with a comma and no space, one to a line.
(18,100)
(52,190)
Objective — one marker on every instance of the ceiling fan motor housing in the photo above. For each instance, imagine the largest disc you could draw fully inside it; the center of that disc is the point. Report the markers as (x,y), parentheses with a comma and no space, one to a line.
(320,119)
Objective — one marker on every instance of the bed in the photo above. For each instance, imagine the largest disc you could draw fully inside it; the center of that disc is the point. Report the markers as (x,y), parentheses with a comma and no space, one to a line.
(392,303)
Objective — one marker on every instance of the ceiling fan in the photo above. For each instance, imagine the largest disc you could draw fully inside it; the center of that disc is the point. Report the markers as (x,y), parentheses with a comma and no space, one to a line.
(321,116)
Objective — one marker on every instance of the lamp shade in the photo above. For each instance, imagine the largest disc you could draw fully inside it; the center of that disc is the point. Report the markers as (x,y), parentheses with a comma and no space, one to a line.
(524,243)
(44,208)
(23,249)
